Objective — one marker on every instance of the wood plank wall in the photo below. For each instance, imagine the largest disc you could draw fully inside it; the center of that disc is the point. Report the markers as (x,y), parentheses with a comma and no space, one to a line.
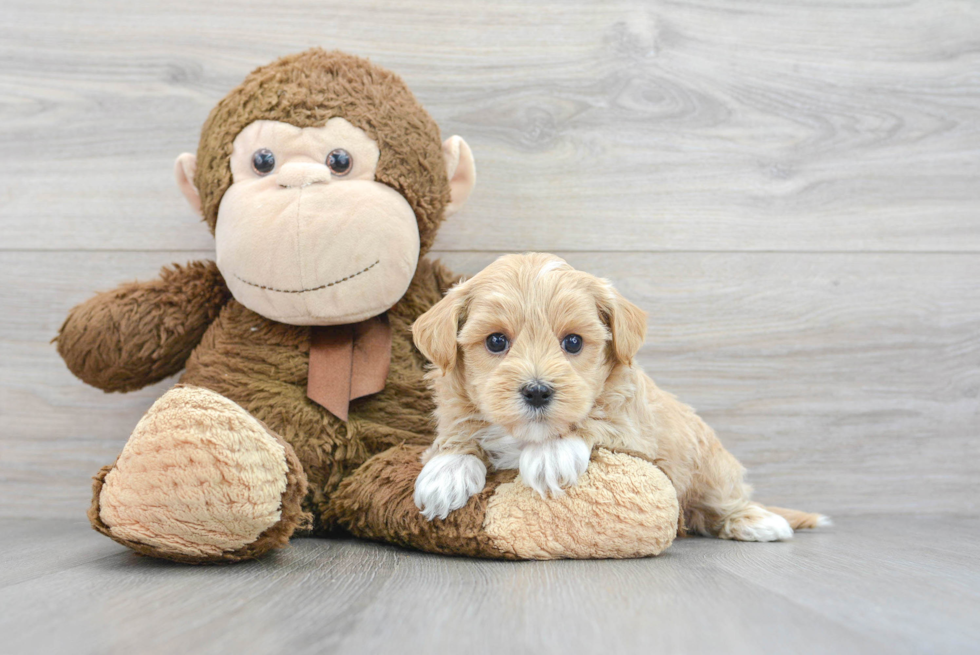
(790,188)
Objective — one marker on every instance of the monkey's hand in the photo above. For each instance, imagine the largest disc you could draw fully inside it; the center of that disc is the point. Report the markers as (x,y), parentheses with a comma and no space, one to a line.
(142,332)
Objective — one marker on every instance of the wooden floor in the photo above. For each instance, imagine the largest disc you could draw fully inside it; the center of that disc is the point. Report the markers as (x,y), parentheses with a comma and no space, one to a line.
(877,584)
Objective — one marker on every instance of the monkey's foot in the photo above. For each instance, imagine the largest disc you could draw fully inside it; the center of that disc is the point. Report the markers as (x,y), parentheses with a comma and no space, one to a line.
(622,506)
(200,480)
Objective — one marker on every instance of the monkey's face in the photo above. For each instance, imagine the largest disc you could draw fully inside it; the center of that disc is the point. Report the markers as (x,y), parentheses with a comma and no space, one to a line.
(305,235)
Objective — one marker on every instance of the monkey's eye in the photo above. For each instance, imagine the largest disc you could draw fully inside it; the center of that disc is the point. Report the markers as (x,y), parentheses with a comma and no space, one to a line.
(339,162)
(263,161)
(572,344)
(497,343)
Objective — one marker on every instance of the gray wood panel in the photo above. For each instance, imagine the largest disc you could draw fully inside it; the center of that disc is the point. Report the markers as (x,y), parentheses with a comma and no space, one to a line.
(791,190)
(597,126)
(871,584)
(846,384)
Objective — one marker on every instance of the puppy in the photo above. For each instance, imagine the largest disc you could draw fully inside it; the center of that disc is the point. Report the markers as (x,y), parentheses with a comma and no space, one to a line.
(534,367)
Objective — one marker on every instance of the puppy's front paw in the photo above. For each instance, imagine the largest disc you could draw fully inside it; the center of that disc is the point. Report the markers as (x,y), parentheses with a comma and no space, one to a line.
(447,482)
(550,465)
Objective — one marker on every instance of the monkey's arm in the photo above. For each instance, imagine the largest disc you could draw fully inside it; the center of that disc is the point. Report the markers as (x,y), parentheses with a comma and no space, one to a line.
(142,332)
(624,507)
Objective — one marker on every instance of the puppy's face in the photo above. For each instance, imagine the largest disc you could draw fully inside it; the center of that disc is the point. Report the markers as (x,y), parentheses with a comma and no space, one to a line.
(531,342)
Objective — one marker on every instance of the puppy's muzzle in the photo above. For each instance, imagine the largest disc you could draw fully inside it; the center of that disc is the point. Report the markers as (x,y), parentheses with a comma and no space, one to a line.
(537,394)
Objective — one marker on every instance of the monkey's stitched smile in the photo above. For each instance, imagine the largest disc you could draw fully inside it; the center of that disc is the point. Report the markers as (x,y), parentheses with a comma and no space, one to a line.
(322,286)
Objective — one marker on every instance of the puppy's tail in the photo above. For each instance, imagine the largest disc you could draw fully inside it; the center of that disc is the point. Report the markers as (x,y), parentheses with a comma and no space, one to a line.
(798,519)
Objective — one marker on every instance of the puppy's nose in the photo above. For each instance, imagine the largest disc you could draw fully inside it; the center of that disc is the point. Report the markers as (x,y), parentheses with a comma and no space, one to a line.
(537,394)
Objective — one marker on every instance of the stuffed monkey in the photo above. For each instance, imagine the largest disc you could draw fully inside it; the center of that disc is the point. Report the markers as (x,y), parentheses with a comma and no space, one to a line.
(302,405)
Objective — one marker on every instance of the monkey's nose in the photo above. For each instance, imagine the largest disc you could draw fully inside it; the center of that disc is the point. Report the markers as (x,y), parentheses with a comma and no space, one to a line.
(294,176)
(537,394)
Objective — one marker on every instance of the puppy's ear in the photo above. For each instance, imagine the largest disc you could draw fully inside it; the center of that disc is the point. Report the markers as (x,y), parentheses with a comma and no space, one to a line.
(435,331)
(626,321)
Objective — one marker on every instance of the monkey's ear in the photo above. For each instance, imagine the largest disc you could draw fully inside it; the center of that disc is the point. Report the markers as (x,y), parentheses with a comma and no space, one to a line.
(627,322)
(461,170)
(184,169)
(435,331)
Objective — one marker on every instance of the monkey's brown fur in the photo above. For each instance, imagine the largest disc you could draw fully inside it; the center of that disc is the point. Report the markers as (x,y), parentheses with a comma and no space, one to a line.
(142,332)
(376,502)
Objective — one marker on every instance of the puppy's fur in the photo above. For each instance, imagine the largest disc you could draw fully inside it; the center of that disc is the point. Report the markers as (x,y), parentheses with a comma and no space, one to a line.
(600,397)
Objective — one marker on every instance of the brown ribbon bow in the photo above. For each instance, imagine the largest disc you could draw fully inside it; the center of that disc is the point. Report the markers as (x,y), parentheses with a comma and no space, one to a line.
(347,362)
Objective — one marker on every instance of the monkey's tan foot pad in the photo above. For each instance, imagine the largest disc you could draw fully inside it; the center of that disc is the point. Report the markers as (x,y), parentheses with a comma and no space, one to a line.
(200,480)
(623,506)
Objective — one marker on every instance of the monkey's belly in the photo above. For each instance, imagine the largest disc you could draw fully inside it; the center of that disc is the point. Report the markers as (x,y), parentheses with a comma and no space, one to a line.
(262,365)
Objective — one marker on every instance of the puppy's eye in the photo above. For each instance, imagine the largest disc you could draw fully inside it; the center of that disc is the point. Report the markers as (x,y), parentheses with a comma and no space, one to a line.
(340,162)
(497,343)
(572,344)
(263,161)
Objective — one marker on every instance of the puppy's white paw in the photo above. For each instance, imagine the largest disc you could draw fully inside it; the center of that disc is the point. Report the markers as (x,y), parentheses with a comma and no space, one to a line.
(764,527)
(550,465)
(447,482)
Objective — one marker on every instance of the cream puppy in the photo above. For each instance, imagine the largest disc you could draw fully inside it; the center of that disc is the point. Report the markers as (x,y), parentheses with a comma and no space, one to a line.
(534,366)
